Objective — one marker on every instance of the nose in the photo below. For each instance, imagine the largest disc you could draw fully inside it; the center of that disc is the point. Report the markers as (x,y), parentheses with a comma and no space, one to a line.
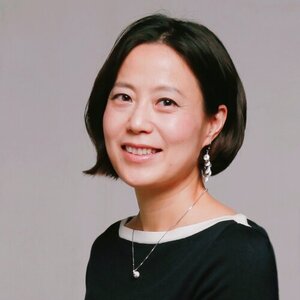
(139,120)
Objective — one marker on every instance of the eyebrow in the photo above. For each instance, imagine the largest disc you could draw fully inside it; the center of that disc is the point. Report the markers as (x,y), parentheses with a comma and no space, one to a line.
(157,88)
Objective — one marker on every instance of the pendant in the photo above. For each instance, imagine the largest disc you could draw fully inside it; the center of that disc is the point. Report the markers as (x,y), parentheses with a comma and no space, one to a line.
(136,274)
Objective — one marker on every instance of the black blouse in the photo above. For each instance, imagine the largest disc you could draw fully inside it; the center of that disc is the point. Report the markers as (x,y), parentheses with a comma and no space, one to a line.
(227,260)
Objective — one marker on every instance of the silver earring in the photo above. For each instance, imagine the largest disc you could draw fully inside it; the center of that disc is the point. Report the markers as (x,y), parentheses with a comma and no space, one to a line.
(206,172)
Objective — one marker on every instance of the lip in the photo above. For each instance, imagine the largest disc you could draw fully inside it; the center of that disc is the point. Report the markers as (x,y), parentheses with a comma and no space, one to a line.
(140,146)
(139,158)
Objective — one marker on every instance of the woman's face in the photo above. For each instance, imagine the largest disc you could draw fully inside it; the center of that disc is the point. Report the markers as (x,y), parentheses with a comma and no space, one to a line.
(154,123)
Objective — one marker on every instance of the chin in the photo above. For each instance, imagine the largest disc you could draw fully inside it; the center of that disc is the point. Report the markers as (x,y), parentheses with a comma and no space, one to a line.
(139,182)
(149,182)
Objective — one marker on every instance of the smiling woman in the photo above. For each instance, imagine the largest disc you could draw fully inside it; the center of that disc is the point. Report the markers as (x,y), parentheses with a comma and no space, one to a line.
(168,110)
(157,108)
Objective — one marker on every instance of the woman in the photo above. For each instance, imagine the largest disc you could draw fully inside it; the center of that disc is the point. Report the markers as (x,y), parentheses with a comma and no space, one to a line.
(168,110)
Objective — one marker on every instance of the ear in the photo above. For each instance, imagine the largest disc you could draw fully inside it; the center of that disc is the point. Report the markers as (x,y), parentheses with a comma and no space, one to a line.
(216,123)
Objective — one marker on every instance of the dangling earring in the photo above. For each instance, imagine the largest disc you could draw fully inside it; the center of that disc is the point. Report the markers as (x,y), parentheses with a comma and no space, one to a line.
(206,172)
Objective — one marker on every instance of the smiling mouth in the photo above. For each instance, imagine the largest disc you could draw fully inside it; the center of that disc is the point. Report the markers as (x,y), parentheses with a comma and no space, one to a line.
(140,150)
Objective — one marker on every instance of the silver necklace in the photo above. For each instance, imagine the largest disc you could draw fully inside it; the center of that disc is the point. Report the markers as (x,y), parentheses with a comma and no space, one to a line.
(135,272)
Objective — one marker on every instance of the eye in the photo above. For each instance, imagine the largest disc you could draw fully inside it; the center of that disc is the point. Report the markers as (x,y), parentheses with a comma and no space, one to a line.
(122,97)
(167,102)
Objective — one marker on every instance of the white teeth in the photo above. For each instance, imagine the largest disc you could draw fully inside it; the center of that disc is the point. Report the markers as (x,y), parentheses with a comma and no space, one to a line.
(139,151)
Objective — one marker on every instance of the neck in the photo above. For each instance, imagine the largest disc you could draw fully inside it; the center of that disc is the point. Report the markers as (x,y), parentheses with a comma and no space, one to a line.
(161,208)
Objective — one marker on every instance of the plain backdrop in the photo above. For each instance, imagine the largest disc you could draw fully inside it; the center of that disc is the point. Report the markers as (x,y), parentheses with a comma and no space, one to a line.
(50,213)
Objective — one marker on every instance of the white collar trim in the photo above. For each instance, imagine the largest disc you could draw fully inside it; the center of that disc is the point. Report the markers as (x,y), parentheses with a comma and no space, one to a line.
(151,237)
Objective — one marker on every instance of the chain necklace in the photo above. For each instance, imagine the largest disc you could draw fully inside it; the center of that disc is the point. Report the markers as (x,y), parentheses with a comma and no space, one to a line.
(135,272)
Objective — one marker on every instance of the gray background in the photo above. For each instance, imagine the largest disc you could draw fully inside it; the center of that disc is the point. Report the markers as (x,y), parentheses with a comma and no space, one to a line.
(50,54)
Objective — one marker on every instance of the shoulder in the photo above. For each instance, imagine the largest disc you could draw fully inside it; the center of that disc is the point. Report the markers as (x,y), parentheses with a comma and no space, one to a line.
(247,257)
(239,236)
(109,235)
(245,260)
(245,243)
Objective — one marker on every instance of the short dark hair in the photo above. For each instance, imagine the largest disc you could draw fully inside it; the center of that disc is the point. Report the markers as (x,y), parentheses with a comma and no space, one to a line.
(209,61)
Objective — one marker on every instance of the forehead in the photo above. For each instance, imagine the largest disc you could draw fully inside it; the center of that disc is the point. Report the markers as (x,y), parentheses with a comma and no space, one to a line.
(157,64)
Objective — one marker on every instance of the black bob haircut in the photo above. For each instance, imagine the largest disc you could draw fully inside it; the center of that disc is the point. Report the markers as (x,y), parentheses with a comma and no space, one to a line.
(210,63)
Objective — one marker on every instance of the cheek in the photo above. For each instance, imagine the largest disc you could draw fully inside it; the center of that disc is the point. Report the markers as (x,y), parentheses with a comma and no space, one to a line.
(106,124)
(111,124)
(111,130)
(184,130)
